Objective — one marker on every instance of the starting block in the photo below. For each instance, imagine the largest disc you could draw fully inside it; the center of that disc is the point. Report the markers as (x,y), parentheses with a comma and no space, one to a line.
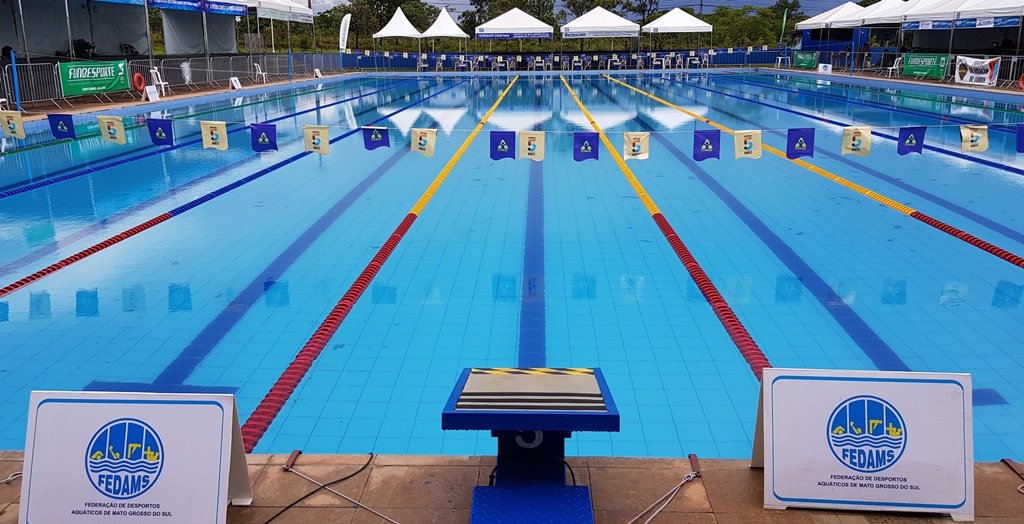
(531,411)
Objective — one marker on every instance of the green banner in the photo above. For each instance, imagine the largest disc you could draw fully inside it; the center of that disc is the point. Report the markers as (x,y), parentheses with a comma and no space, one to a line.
(90,78)
(933,66)
(806,59)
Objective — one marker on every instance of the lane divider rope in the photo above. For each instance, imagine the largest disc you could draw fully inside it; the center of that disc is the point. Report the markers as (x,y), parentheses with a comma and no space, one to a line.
(749,349)
(265,413)
(190,205)
(907,210)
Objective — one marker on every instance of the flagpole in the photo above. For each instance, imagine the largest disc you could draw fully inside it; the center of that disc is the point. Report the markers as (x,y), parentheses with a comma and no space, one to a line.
(67,18)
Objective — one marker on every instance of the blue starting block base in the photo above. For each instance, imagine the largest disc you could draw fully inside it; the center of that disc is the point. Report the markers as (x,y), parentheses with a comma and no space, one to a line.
(531,411)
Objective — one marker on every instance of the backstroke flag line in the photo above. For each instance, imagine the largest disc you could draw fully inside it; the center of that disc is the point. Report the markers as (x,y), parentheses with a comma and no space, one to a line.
(373,137)
(706,144)
(748,144)
(215,135)
(317,140)
(911,140)
(423,140)
(585,146)
(531,145)
(14,126)
(973,139)
(62,126)
(503,145)
(800,143)
(112,129)
(857,140)
(160,131)
(636,146)
(264,137)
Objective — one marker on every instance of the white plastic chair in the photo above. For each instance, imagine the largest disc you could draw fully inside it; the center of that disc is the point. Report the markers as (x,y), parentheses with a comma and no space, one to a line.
(259,73)
(897,67)
(159,82)
(577,62)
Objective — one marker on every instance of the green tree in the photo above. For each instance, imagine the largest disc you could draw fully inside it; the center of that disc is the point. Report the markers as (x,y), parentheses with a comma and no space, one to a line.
(643,9)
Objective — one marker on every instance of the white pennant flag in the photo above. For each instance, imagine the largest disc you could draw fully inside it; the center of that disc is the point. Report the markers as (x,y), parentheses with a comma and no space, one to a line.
(636,146)
(316,139)
(112,129)
(857,140)
(215,135)
(748,144)
(13,125)
(531,145)
(973,138)
(423,141)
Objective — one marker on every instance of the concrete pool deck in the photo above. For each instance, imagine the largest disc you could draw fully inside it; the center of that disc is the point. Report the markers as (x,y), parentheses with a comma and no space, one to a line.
(424,489)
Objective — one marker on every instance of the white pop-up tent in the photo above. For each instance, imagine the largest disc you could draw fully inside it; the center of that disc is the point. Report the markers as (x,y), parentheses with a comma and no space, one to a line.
(892,15)
(287,10)
(990,9)
(837,13)
(856,18)
(935,10)
(399,27)
(514,24)
(600,23)
(678,21)
(444,27)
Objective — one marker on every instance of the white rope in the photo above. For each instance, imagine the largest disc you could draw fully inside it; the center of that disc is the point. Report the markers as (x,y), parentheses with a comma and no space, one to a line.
(328,488)
(12,478)
(670,495)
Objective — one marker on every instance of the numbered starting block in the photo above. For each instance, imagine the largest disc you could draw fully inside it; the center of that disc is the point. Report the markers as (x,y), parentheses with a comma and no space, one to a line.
(531,411)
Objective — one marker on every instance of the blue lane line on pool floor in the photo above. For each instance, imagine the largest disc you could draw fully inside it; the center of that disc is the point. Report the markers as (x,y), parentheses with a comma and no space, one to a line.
(532,327)
(950,206)
(172,378)
(881,355)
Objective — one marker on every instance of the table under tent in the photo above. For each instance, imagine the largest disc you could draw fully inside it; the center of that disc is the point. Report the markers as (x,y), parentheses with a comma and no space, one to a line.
(399,27)
(601,23)
(515,25)
(678,21)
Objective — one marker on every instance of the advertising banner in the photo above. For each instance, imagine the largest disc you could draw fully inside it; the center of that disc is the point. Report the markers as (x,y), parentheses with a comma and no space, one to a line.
(112,129)
(857,140)
(748,144)
(636,146)
(343,35)
(868,440)
(806,59)
(14,127)
(977,71)
(316,139)
(181,5)
(531,145)
(91,78)
(925,66)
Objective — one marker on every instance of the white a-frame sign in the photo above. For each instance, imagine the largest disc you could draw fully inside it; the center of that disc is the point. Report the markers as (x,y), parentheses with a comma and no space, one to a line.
(866,441)
(92,456)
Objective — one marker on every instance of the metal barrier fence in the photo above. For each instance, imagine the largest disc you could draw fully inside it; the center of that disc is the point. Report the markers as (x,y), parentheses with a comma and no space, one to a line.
(36,83)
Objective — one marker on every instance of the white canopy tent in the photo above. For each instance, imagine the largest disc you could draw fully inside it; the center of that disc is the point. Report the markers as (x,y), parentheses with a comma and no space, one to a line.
(514,24)
(933,10)
(856,18)
(600,23)
(892,15)
(991,8)
(837,13)
(287,10)
(444,27)
(678,21)
(399,27)
(964,14)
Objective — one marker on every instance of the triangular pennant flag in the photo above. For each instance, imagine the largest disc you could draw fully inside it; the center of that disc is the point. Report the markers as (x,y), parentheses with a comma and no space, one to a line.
(13,125)
(318,141)
(857,140)
(503,144)
(636,146)
(748,144)
(706,144)
(585,146)
(1020,138)
(215,135)
(911,140)
(264,137)
(973,138)
(374,137)
(531,145)
(112,129)
(161,132)
(62,126)
(423,141)
(800,142)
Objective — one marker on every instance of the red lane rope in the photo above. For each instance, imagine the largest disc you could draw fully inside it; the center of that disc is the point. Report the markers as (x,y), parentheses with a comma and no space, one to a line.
(737,332)
(970,239)
(258,423)
(84,253)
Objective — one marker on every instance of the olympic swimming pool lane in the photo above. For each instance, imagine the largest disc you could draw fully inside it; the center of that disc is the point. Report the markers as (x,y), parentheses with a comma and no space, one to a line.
(174,212)
(532,326)
(265,413)
(941,226)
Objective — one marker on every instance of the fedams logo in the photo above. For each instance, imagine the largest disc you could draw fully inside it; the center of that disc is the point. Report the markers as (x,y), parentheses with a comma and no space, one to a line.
(867,434)
(124,458)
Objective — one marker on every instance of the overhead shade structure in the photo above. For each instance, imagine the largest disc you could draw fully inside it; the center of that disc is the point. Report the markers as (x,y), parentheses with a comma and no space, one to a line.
(514,24)
(935,10)
(285,10)
(444,27)
(856,19)
(893,15)
(600,23)
(677,21)
(194,27)
(991,9)
(399,27)
(837,13)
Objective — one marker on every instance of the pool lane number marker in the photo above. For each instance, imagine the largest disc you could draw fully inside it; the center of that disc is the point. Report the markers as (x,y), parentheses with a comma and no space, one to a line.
(265,413)
(737,332)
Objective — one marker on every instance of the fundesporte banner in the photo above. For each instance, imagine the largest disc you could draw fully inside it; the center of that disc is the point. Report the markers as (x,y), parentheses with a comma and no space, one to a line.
(977,71)
(90,78)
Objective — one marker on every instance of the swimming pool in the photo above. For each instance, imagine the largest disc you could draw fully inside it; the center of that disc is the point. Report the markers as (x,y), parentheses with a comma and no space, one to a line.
(552,263)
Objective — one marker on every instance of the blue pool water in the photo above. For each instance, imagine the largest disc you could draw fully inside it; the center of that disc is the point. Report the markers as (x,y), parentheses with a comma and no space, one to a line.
(514,262)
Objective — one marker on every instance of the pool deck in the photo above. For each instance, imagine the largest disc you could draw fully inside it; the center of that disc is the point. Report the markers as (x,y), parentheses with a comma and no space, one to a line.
(418,489)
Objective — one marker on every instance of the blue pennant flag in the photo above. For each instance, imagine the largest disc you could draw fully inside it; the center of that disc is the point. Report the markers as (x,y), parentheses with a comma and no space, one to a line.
(503,144)
(911,140)
(264,137)
(800,142)
(62,126)
(585,146)
(374,137)
(706,144)
(1020,138)
(161,132)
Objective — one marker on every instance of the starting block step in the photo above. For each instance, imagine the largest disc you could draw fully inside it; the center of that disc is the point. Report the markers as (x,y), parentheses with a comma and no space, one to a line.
(533,504)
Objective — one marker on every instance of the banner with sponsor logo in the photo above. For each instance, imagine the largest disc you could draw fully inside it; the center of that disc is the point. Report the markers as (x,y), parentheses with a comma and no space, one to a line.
(112,129)
(925,66)
(317,139)
(91,78)
(748,144)
(585,146)
(806,59)
(503,144)
(706,144)
(14,127)
(973,138)
(531,145)
(343,33)
(129,457)
(977,71)
(636,146)
(215,135)
(867,440)
(423,141)
(857,140)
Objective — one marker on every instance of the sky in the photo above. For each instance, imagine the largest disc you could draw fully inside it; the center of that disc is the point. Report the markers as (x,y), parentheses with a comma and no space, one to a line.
(811,7)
